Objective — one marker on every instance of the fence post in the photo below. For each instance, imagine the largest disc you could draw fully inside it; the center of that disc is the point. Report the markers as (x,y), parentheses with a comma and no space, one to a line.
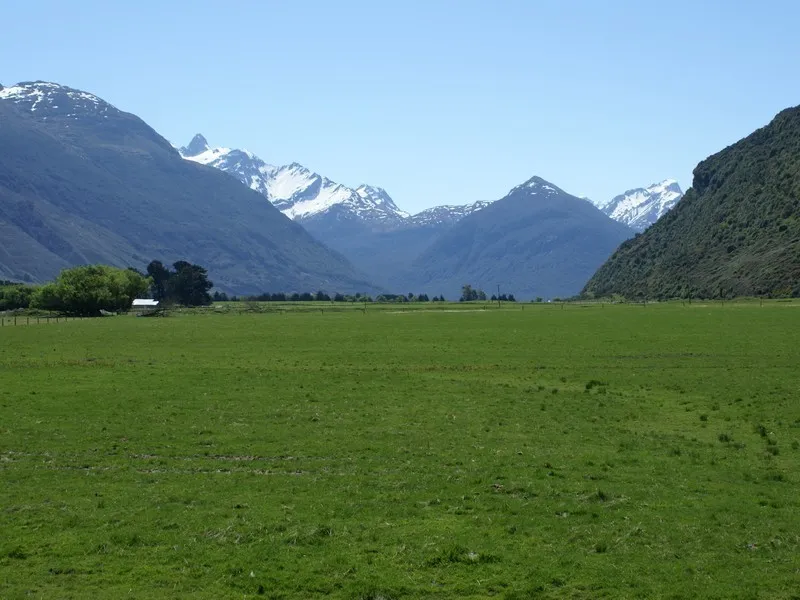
(15,320)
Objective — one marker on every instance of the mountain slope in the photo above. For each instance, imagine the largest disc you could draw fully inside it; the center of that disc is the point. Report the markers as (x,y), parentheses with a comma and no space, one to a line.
(735,232)
(81,182)
(537,241)
(445,215)
(641,207)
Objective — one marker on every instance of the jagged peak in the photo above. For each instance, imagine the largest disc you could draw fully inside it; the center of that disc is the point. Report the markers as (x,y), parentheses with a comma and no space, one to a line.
(666,185)
(367,188)
(374,193)
(198,145)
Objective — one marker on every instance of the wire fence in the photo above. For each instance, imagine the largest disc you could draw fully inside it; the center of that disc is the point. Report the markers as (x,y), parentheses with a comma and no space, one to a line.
(15,320)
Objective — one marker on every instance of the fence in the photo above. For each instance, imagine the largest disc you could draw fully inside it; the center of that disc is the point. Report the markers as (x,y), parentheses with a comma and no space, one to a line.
(6,321)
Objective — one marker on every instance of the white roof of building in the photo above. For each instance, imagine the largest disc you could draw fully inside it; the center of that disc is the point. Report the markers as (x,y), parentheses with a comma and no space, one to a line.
(145,302)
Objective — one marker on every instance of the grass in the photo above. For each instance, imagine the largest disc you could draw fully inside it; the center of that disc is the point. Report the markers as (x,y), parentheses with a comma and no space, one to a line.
(616,451)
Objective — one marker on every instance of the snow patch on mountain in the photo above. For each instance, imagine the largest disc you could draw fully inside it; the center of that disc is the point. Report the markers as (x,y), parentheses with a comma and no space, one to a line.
(378,198)
(447,214)
(295,190)
(641,207)
(537,185)
(55,99)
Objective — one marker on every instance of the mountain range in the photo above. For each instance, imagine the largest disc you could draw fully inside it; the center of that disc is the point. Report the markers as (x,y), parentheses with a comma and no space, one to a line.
(308,197)
(387,243)
(735,233)
(84,182)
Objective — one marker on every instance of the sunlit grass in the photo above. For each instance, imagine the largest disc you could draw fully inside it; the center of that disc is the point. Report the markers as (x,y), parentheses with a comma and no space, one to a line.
(581,452)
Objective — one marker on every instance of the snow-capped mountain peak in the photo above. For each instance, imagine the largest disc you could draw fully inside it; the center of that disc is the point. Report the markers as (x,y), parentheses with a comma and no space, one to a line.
(537,185)
(248,168)
(55,100)
(379,199)
(641,207)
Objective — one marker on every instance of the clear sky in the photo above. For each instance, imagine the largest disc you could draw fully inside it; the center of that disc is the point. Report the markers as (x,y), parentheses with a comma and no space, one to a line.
(439,102)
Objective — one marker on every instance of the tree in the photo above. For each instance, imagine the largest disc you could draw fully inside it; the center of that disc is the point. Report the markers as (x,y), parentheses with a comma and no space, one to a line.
(85,291)
(467,293)
(480,295)
(160,276)
(189,284)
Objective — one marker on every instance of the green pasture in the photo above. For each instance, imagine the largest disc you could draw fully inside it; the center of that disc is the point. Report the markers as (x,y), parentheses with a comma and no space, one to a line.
(596,451)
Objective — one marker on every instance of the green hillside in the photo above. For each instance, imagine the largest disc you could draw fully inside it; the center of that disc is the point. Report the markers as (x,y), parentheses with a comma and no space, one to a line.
(736,231)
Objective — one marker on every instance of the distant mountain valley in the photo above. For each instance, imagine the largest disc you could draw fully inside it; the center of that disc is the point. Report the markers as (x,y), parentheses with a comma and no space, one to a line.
(84,182)
(390,245)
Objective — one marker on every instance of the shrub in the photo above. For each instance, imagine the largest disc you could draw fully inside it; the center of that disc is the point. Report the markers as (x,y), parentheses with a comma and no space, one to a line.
(15,296)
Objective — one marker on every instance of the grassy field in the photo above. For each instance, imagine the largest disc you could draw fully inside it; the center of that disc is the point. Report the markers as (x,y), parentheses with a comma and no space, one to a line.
(616,451)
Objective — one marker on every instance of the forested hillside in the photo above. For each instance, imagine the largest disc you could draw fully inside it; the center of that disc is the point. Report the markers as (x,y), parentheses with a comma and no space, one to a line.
(736,232)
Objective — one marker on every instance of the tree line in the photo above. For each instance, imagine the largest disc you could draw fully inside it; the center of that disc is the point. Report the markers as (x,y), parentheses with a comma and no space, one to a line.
(91,289)
(321,296)
(470,294)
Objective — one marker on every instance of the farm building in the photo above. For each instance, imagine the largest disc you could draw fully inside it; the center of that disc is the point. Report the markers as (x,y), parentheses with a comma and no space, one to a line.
(144,304)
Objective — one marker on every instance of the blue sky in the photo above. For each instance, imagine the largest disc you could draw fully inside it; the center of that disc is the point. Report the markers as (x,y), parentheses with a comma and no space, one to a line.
(439,102)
